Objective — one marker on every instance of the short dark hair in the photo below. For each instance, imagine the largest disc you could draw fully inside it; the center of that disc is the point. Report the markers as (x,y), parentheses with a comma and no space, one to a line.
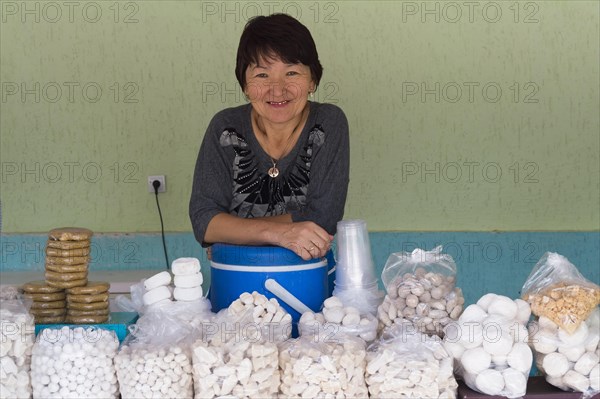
(277,35)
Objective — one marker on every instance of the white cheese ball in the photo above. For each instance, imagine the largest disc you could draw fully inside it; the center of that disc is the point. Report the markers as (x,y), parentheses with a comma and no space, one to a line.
(490,382)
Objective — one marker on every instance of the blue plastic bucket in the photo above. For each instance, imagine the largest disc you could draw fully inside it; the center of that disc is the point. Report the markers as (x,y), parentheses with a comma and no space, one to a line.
(236,269)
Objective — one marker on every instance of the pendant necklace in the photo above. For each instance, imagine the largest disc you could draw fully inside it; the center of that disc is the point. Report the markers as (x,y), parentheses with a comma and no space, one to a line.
(273,171)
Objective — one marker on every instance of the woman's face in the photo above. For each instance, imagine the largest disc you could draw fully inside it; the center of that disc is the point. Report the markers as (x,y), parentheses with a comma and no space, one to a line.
(278,91)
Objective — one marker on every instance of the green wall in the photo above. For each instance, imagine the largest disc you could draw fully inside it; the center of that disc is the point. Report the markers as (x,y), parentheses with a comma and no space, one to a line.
(463,116)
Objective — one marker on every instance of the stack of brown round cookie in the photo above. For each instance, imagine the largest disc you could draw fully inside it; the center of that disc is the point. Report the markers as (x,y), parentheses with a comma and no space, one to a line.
(49,306)
(67,257)
(88,304)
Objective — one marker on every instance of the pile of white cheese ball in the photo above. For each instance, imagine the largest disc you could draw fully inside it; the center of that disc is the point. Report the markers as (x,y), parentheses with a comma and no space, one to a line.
(312,369)
(489,343)
(429,300)
(74,363)
(153,372)
(238,368)
(569,361)
(411,365)
(258,309)
(16,342)
(336,318)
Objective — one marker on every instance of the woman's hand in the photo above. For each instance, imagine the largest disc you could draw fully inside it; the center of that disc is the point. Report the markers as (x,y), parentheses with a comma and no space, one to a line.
(307,239)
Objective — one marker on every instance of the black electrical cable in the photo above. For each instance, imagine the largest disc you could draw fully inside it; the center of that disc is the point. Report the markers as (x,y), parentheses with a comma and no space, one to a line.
(156,185)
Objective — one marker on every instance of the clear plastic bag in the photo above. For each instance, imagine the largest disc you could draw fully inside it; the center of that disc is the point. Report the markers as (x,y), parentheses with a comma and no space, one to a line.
(155,358)
(420,288)
(74,363)
(555,289)
(242,368)
(568,361)
(17,335)
(489,343)
(406,363)
(237,352)
(325,368)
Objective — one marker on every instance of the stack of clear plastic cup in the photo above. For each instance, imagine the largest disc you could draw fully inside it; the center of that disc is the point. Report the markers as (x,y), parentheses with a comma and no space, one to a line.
(355,270)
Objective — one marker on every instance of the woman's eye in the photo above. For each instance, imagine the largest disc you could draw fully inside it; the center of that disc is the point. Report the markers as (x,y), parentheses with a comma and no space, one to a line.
(261,75)
(292,73)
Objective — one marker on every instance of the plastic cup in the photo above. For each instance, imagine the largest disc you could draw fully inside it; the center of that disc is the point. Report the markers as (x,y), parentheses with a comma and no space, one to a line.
(355,266)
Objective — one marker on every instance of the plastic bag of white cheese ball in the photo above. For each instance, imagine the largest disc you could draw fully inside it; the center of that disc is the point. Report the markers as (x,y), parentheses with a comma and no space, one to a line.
(490,345)
(570,362)
(420,287)
(74,363)
(407,363)
(17,334)
(155,360)
(254,311)
(240,368)
(237,354)
(335,318)
(323,369)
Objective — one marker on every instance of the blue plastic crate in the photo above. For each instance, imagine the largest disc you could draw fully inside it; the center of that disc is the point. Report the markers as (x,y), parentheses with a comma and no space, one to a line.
(118,322)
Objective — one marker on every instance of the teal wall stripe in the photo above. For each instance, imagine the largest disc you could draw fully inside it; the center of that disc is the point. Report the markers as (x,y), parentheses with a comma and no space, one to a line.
(486,261)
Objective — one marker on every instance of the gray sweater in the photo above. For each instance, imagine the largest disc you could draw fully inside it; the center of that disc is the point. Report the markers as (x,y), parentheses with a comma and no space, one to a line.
(231,171)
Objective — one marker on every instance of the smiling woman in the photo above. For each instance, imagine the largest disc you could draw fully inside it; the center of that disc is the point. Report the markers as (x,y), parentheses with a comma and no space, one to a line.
(274,171)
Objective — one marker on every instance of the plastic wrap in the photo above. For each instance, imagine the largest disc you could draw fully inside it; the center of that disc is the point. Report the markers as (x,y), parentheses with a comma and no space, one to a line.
(74,363)
(568,361)
(17,335)
(489,344)
(313,369)
(420,288)
(406,363)
(555,289)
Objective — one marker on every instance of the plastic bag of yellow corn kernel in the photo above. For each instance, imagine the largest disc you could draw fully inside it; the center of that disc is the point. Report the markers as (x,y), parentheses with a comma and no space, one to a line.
(555,289)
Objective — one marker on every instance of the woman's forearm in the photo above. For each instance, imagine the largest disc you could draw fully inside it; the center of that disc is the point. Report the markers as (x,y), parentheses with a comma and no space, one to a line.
(306,239)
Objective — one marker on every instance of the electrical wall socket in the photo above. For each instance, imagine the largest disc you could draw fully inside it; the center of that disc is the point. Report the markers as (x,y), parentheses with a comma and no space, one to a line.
(163,184)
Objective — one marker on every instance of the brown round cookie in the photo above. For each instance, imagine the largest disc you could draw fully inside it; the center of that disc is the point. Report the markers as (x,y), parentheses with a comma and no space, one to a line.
(72,260)
(87,319)
(92,287)
(67,268)
(40,287)
(58,296)
(54,276)
(87,298)
(68,244)
(87,306)
(67,253)
(70,234)
(48,312)
(99,312)
(67,284)
(49,319)
(49,305)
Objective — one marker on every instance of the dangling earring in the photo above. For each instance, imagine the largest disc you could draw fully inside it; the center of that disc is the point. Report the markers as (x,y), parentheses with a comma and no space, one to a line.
(311,94)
